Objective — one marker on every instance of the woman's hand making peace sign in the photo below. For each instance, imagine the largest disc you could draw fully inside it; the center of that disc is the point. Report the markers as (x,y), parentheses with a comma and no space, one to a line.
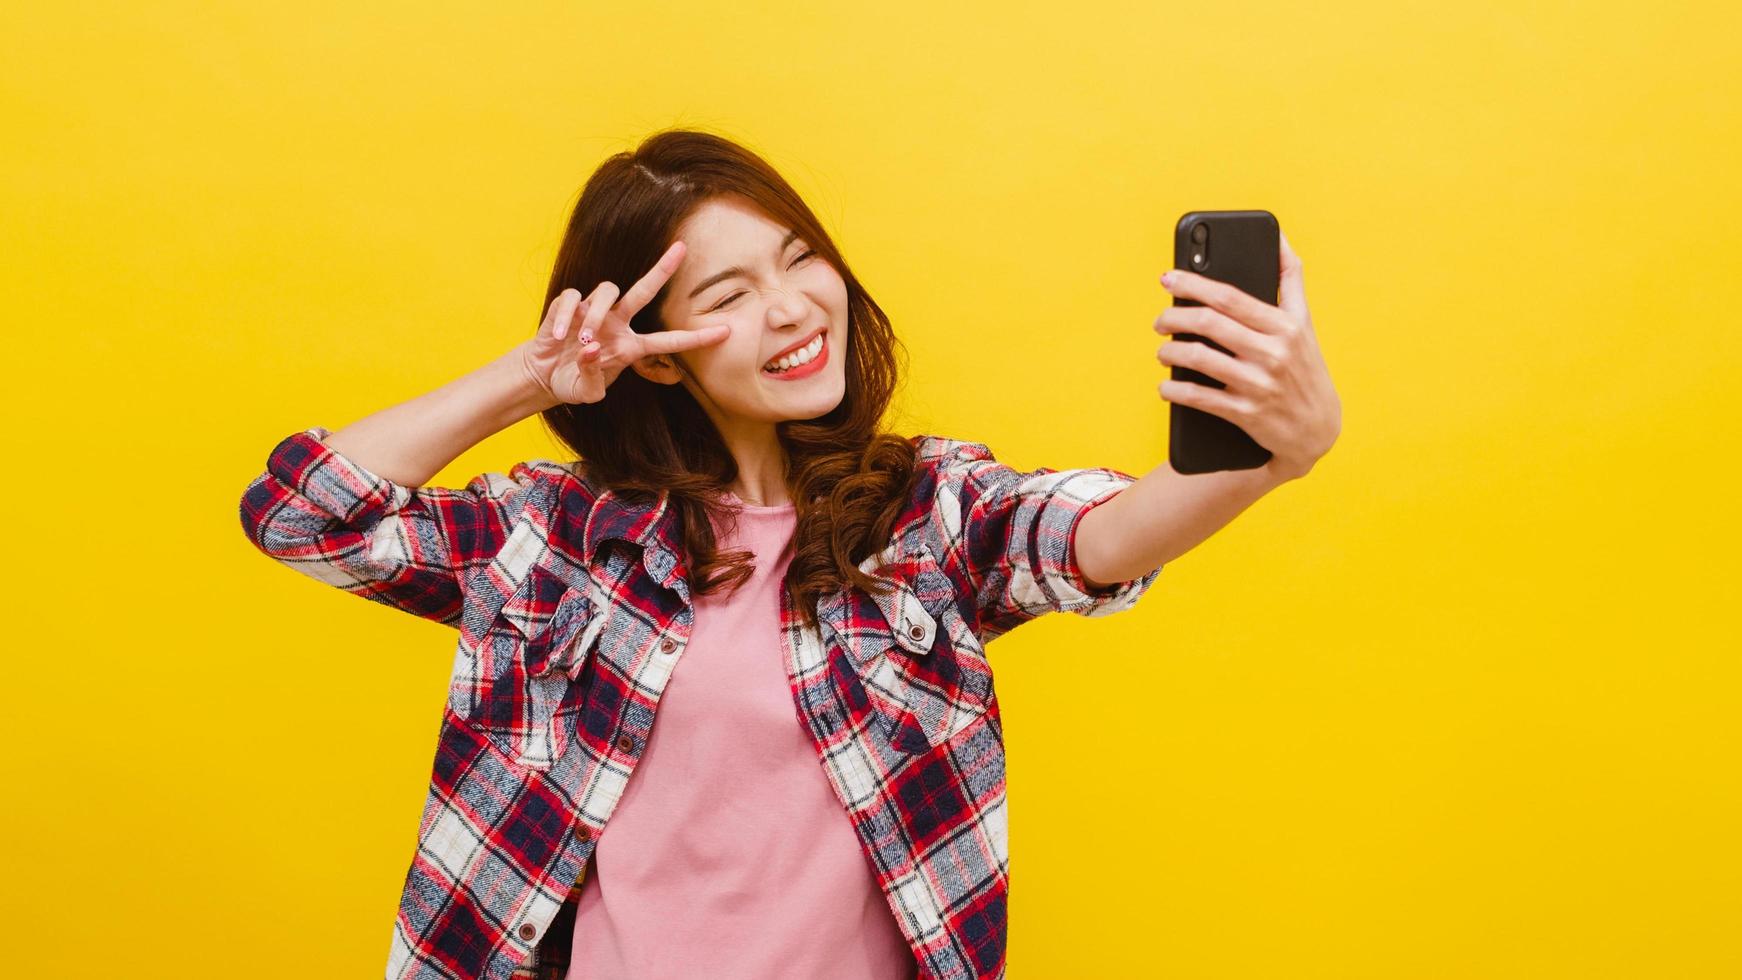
(575,363)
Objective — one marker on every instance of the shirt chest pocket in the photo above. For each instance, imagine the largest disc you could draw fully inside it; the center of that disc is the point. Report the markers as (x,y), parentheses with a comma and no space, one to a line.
(510,684)
(917,659)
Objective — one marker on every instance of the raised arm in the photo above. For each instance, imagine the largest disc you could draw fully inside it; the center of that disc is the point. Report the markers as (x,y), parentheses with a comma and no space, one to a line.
(1162,516)
(1275,387)
(347,508)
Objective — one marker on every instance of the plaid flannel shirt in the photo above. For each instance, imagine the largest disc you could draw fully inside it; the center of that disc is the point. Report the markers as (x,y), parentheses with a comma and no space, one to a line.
(573,610)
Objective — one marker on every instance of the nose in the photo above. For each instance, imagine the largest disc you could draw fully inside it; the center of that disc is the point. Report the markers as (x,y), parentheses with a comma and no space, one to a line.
(786,309)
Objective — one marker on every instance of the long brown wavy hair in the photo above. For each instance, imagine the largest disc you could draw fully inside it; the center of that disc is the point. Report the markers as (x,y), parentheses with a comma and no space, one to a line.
(848,479)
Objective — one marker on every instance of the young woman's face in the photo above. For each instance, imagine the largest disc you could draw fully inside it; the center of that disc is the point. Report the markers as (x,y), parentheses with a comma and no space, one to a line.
(781,295)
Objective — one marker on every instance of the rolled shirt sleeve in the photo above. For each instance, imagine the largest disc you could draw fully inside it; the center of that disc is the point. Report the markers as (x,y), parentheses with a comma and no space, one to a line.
(1015,532)
(328,517)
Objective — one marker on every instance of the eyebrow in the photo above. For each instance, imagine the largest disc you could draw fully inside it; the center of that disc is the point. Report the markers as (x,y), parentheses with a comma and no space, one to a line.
(738,270)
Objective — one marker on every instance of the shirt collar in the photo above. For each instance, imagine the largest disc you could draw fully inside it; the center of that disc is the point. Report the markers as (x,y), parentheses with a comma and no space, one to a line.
(650,523)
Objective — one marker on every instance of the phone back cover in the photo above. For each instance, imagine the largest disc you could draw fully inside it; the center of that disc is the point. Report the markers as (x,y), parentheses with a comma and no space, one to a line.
(1244,251)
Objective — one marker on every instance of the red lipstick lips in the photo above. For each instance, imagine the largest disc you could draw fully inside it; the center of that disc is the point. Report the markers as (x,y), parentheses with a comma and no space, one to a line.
(806,369)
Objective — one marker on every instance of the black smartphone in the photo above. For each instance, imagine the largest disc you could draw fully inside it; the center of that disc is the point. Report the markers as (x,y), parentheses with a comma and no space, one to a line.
(1242,248)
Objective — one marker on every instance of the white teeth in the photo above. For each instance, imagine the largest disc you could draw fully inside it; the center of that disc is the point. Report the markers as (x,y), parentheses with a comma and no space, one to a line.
(802,356)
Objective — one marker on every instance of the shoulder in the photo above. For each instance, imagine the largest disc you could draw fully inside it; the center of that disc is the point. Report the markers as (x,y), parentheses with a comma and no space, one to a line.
(541,486)
(551,471)
(952,468)
(935,451)
(946,463)
(531,472)
(952,476)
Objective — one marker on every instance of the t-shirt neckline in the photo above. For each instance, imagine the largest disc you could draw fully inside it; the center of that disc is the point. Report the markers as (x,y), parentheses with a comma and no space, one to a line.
(739,503)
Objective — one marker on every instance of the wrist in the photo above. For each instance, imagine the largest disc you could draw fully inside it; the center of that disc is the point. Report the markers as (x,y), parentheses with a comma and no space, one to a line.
(522,394)
(1282,471)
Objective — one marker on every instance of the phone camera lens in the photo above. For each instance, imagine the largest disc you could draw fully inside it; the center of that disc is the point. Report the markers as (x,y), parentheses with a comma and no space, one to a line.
(1199,233)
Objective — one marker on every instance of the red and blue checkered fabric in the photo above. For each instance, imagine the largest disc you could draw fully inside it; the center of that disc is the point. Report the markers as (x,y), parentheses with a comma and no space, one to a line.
(573,610)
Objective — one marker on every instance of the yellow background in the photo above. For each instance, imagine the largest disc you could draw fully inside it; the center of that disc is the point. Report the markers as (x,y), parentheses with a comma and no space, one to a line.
(1461,704)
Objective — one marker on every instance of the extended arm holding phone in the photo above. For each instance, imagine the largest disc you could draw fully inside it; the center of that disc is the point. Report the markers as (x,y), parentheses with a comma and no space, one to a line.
(1278,390)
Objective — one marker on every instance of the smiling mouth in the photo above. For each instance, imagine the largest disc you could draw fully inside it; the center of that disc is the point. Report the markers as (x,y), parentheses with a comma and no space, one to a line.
(802,363)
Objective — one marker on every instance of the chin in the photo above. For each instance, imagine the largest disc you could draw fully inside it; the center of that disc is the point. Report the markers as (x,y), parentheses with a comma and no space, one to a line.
(811,408)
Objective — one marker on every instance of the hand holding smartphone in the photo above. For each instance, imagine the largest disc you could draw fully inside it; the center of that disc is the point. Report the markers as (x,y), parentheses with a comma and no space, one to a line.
(1239,248)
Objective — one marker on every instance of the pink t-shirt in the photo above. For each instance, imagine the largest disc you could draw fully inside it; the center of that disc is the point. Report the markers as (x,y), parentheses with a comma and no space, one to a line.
(728,855)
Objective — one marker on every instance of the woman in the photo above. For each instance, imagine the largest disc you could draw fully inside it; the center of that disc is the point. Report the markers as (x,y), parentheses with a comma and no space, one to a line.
(824,793)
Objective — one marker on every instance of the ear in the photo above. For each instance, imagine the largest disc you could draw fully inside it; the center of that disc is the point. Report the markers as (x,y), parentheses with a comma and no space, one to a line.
(658,368)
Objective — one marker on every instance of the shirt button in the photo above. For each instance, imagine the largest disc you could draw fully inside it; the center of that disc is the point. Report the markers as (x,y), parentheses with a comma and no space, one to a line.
(916,631)
(528,931)
(668,646)
(625,743)
(583,832)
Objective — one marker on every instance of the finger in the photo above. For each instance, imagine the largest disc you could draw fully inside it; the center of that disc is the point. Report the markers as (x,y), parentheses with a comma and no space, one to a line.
(579,308)
(599,304)
(1227,298)
(592,363)
(1205,399)
(1293,288)
(1207,360)
(557,315)
(1219,327)
(649,285)
(672,341)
